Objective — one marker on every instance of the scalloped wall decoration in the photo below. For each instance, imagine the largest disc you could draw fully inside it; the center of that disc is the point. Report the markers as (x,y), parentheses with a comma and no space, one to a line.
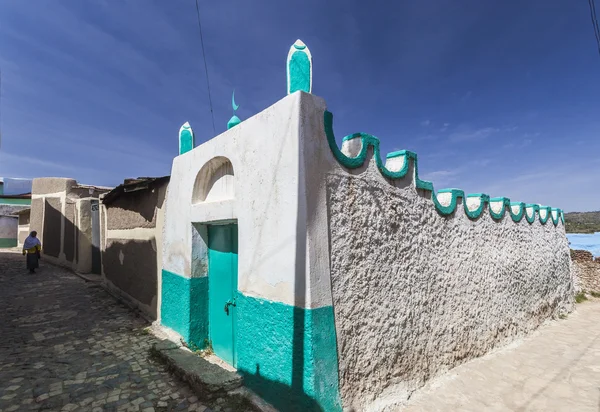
(354,154)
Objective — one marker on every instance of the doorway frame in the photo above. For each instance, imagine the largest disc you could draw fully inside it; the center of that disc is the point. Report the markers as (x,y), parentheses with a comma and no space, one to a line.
(200,267)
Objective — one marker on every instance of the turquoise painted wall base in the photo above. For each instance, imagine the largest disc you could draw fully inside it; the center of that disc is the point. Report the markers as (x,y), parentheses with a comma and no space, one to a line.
(5,201)
(288,355)
(184,307)
(7,243)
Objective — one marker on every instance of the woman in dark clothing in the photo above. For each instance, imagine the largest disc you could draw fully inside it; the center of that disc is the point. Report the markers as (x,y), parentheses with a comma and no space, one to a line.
(32,248)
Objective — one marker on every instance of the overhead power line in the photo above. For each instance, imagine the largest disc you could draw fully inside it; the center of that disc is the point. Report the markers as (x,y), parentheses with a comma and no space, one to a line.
(594,17)
(0,107)
(205,68)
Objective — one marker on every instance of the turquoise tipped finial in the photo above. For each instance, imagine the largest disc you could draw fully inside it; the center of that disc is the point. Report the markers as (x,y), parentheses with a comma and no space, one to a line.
(186,138)
(234,121)
(299,68)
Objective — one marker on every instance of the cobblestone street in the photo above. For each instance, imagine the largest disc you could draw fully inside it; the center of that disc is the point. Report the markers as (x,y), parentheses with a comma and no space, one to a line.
(67,345)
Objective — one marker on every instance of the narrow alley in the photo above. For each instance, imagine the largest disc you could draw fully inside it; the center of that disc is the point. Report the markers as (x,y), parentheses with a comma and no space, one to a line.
(67,345)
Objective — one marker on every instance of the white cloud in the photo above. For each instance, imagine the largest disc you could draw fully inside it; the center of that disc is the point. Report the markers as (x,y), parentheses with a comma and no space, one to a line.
(473,135)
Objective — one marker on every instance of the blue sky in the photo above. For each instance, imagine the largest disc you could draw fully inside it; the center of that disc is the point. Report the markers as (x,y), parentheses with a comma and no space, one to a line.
(495,97)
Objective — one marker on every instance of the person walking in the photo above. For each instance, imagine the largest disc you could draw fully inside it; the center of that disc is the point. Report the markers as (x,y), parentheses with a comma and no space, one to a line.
(32,247)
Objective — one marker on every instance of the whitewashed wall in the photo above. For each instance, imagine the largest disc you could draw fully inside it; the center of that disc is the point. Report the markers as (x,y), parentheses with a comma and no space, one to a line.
(267,195)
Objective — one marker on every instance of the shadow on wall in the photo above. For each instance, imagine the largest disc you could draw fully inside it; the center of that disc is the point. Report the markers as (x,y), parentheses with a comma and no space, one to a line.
(130,265)
(283,397)
(51,240)
(62,240)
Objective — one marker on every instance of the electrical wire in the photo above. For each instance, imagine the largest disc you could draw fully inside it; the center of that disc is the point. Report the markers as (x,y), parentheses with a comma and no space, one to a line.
(205,68)
(595,22)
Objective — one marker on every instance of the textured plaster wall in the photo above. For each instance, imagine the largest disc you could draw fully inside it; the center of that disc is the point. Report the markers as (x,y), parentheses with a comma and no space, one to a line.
(131,245)
(52,232)
(24,220)
(416,293)
(136,209)
(70,236)
(50,185)
(84,235)
(22,236)
(9,227)
(130,265)
(37,217)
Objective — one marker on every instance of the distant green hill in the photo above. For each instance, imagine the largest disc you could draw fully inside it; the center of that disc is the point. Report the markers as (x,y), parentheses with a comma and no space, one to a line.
(582,222)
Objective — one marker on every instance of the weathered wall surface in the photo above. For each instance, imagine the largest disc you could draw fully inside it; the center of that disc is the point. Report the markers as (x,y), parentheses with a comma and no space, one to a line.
(52,185)
(586,271)
(132,246)
(24,219)
(61,214)
(136,209)
(70,232)
(9,226)
(52,240)
(36,220)
(417,293)
(130,265)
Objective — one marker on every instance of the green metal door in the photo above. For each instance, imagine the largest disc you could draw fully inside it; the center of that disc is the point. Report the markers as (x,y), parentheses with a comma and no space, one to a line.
(222,287)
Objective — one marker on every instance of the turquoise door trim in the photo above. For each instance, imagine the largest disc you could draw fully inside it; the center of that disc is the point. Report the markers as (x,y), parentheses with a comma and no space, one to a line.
(222,288)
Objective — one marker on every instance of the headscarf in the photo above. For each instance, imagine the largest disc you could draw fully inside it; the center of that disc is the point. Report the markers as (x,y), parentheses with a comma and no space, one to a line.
(31,242)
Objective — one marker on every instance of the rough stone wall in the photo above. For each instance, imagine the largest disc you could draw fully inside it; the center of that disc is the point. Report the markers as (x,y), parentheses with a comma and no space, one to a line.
(416,293)
(586,271)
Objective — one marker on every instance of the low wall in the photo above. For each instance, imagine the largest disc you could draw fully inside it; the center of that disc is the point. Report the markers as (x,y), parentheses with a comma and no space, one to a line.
(9,227)
(586,271)
(422,282)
